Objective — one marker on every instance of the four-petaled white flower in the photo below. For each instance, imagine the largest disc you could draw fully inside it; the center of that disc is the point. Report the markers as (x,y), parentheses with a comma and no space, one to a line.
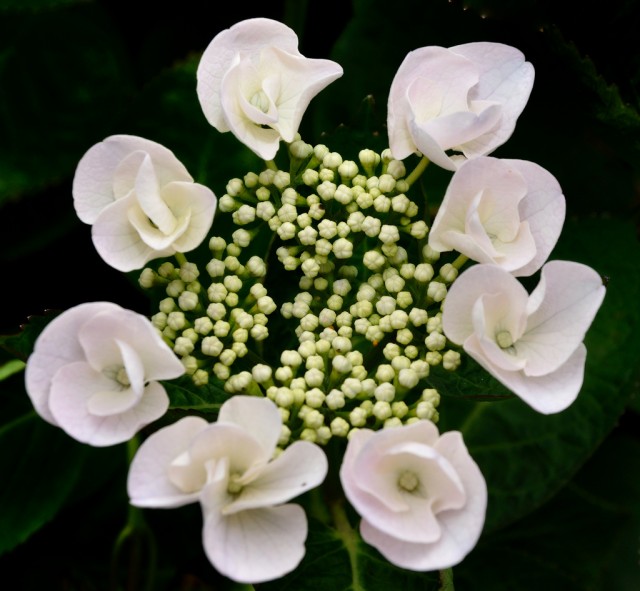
(503,212)
(253,81)
(93,373)
(249,535)
(531,343)
(141,201)
(421,496)
(466,98)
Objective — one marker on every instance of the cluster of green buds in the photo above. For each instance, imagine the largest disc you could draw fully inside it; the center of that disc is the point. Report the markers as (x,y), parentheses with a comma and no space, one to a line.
(325,298)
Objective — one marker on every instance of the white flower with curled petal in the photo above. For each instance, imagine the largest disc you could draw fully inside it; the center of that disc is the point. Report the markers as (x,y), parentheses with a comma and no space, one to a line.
(503,212)
(141,202)
(421,496)
(94,370)
(531,343)
(464,99)
(253,81)
(249,535)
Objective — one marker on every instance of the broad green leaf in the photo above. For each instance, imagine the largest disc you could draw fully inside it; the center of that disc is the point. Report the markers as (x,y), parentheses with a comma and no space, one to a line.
(343,562)
(21,344)
(585,539)
(184,395)
(43,458)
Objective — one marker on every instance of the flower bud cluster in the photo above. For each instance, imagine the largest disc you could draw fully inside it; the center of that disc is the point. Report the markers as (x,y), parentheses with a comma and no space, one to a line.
(211,319)
(367,315)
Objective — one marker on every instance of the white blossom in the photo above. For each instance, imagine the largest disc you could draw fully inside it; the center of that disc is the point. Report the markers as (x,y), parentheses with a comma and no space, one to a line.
(531,343)
(249,534)
(253,81)
(94,372)
(504,212)
(141,202)
(421,496)
(466,98)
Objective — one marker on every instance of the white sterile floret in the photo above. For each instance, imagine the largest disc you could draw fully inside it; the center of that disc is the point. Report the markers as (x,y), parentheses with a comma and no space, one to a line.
(95,372)
(141,202)
(503,212)
(441,487)
(532,343)
(234,86)
(170,470)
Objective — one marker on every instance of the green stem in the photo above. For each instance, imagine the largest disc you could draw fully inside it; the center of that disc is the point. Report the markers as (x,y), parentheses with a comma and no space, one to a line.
(446,580)
(461,260)
(417,171)
(182,260)
(349,539)
(271,164)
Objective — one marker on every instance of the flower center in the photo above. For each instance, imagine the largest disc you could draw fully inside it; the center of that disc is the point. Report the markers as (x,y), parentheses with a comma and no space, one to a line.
(504,339)
(408,481)
(234,486)
(260,100)
(122,377)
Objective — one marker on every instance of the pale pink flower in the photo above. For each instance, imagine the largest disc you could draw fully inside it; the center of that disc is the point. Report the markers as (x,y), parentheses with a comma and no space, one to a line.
(532,343)
(94,370)
(503,212)
(421,496)
(253,81)
(141,202)
(464,99)
(250,535)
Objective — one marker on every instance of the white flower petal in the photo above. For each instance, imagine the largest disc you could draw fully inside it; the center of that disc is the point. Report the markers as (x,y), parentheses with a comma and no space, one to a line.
(256,545)
(117,240)
(246,37)
(72,387)
(470,285)
(258,416)
(301,467)
(253,81)
(443,521)
(561,309)
(147,191)
(148,484)
(93,183)
(56,346)
(505,78)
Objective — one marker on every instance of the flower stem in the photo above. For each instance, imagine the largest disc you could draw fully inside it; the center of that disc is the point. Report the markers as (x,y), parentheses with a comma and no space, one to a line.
(271,164)
(181,258)
(349,539)
(461,260)
(446,580)
(417,171)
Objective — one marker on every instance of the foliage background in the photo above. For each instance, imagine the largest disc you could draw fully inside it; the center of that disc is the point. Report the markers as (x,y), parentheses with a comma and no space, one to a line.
(565,492)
